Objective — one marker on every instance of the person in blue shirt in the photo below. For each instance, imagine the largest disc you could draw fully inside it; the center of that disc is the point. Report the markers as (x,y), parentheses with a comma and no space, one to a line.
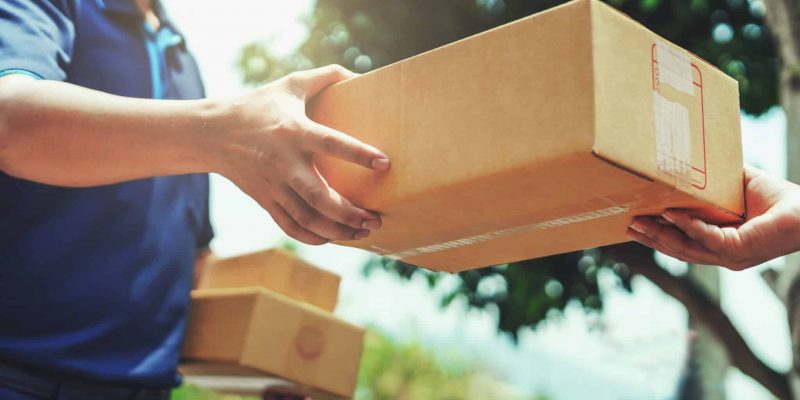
(106,141)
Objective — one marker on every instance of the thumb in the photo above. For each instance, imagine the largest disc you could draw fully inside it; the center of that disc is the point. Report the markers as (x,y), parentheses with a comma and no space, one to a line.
(311,82)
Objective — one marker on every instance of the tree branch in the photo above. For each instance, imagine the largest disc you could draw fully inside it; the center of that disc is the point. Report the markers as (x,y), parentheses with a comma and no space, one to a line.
(639,260)
(782,17)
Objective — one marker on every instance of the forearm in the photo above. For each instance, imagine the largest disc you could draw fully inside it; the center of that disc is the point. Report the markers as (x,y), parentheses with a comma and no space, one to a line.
(262,140)
(61,134)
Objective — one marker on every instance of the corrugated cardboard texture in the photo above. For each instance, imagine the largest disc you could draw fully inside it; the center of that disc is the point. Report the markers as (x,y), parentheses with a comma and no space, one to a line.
(281,337)
(531,139)
(278,270)
(624,60)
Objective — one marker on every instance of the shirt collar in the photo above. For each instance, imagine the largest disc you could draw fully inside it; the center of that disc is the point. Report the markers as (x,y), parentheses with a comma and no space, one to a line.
(125,7)
(129,9)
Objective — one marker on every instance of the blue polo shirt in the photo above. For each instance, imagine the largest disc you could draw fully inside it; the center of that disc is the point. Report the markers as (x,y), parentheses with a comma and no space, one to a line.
(94,282)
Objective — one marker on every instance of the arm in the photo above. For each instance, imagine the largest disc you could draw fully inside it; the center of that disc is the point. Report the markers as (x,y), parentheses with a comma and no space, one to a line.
(772,228)
(61,134)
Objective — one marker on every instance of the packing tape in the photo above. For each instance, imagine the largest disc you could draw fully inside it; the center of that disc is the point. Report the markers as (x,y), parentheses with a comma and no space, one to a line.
(554,223)
(671,119)
(673,138)
(674,68)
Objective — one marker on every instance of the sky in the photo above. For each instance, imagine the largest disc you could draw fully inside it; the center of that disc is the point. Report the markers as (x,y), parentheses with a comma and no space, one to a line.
(638,354)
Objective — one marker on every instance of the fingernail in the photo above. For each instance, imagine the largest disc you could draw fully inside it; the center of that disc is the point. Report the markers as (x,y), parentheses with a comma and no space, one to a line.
(371,224)
(637,226)
(381,164)
(360,234)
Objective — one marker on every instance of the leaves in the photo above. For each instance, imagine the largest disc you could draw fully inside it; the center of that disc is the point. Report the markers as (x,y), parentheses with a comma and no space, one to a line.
(367,34)
(523,293)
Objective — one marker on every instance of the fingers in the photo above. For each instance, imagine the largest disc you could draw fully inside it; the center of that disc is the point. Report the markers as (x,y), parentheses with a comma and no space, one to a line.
(312,81)
(709,236)
(669,240)
(291,227)
(322,139)
(312,220)
(653,244)
(750,173)
(313,190)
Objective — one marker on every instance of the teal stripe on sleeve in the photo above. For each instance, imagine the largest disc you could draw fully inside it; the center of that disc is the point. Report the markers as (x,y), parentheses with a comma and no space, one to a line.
(21,72)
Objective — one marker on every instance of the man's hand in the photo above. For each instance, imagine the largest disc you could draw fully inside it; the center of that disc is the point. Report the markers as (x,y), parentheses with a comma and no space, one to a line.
(771,229)
(267,149)
(61,134)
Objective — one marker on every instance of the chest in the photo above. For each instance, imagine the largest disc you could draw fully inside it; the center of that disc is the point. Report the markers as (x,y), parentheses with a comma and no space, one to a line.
(111,54)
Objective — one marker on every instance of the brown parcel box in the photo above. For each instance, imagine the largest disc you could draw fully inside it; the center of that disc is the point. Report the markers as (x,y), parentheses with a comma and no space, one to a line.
(539,137)
(253,332)
(278,270)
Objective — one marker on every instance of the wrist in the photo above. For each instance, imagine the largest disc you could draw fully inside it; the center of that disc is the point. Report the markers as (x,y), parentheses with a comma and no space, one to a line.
(210,144)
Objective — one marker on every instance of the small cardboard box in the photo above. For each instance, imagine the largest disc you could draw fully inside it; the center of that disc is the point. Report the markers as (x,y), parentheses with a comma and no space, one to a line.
(278,270)
(255,332)
(542,136)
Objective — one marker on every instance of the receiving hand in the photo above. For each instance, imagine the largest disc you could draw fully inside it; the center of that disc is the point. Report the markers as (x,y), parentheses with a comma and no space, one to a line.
(268,150)
(770,231)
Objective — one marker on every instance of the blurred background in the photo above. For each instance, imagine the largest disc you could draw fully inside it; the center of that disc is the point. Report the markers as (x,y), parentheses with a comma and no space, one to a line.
(614,323)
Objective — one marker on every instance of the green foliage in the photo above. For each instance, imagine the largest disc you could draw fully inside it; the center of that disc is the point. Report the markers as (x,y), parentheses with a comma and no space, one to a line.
(395,371)
(523,293)
(403,371)
(290,245)
(190,392)
(366,34)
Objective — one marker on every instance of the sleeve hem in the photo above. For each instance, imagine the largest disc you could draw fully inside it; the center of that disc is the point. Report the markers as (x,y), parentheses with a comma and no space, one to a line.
(17,71)
(21,65)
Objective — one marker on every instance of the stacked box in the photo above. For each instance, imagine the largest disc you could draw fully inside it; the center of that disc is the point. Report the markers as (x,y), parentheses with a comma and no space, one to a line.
(278,270)
(267,314)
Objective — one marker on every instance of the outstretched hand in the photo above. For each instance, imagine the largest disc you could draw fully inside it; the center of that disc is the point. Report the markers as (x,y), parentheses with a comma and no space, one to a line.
(772,228)
(269,151)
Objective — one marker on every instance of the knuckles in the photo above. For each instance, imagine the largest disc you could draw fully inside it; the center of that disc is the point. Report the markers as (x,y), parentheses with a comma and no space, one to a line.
(294,81)
(329,143)
(288,128)
(315,197)
(304,219)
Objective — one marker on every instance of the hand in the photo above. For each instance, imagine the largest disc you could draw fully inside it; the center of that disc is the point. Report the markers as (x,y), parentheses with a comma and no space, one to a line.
(268,150)
(771,229)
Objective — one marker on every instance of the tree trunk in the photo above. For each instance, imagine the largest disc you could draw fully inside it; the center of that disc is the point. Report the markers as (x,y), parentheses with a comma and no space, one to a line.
(711,359)
(707,360)
(783,18)
(639,260)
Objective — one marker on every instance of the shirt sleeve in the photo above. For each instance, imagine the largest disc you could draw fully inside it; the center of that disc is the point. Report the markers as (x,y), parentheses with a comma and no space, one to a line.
(206,232)
(37,38)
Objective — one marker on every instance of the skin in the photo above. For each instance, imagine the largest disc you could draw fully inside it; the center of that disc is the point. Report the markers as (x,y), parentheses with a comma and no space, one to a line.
(262,141)
(60,134)
(772,228)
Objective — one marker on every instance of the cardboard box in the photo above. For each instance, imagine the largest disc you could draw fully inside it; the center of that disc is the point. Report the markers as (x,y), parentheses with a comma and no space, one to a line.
(255,332)
(250,385)
(539,137)
(278,270)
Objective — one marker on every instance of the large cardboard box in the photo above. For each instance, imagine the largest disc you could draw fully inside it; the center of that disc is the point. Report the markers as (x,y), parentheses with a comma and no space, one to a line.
(278,270)
(542,136)
(253,332)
